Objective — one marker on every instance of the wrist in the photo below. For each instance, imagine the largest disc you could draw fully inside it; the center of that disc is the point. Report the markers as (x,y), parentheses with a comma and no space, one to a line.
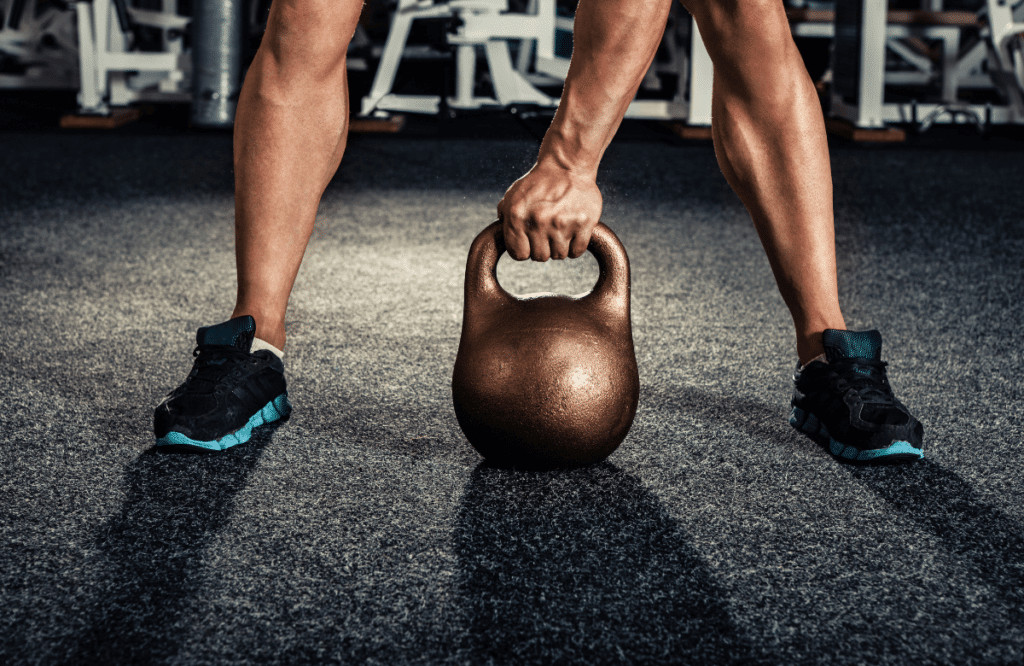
(566,146)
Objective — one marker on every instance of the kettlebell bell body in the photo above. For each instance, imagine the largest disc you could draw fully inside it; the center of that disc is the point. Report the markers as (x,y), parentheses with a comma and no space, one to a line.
(549,381)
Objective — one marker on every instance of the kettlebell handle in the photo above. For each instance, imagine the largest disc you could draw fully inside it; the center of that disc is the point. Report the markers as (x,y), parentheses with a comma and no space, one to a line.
(611,292)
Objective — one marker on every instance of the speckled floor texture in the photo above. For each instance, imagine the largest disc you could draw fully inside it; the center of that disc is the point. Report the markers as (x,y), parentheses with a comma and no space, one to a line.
(365,530)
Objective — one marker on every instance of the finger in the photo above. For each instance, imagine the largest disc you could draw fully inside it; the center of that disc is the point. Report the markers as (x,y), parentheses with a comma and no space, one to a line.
(513,221)
(540,246)
(579,243)
(559,244)
(517,244)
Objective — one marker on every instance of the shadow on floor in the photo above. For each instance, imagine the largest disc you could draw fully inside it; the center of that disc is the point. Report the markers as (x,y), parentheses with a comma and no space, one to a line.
(752,417)
(583,566)
(978,535)
(175,505)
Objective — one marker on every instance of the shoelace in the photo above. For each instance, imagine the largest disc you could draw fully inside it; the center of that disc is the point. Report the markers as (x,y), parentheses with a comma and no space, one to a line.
(212,363)
(867,377)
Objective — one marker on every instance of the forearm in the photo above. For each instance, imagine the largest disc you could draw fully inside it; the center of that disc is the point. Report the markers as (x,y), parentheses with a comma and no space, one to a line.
(614,42)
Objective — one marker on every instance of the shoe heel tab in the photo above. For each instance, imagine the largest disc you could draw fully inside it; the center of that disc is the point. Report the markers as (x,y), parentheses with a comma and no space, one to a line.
(852,344)
(238,332)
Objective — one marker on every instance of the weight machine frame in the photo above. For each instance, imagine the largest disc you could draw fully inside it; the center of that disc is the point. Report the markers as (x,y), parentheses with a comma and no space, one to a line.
(1001,38)
(112,74)
(489,26)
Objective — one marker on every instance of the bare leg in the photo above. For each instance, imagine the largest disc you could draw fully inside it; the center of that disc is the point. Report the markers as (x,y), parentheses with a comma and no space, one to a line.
(770,141)
(290,133)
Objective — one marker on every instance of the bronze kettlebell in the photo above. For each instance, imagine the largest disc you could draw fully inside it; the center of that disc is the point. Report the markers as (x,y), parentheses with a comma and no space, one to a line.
(549,381)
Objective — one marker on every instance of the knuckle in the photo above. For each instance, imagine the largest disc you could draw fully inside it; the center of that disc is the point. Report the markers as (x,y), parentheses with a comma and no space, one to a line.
(518,210)
(560,222)
(538,221)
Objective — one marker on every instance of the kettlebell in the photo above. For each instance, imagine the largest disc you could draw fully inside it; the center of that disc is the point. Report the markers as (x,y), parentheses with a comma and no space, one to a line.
(548,381)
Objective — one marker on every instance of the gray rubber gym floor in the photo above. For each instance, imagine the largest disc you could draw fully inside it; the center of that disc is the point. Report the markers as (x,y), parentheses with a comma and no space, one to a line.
(366,530)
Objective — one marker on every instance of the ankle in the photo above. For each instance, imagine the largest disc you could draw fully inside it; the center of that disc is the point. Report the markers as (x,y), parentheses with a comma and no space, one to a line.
(808,336)
(808,351)
(809,346)
(272,336)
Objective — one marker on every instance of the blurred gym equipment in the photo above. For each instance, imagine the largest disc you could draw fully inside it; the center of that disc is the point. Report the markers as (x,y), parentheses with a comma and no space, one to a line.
(38,45)
(875,48)
(216,62)
(113,72)
(914,68)
(491,28)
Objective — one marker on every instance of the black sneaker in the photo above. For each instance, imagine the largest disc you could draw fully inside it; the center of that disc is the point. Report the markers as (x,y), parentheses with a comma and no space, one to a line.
(848,403)
(228,393)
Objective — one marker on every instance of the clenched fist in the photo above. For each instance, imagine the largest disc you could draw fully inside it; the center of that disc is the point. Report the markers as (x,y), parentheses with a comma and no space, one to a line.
(549,213)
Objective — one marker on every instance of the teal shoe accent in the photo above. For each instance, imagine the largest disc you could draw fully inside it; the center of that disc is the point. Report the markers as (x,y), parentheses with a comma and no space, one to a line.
(796,417)
(237,332)
(274,410)
(809,424)
(896,448)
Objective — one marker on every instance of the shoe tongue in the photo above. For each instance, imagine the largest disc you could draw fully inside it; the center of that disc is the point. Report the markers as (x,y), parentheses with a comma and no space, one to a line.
(852,344)
(238,332)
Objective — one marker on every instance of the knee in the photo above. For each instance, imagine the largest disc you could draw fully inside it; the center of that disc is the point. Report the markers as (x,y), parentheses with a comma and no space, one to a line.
(757,27)
(310,37)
